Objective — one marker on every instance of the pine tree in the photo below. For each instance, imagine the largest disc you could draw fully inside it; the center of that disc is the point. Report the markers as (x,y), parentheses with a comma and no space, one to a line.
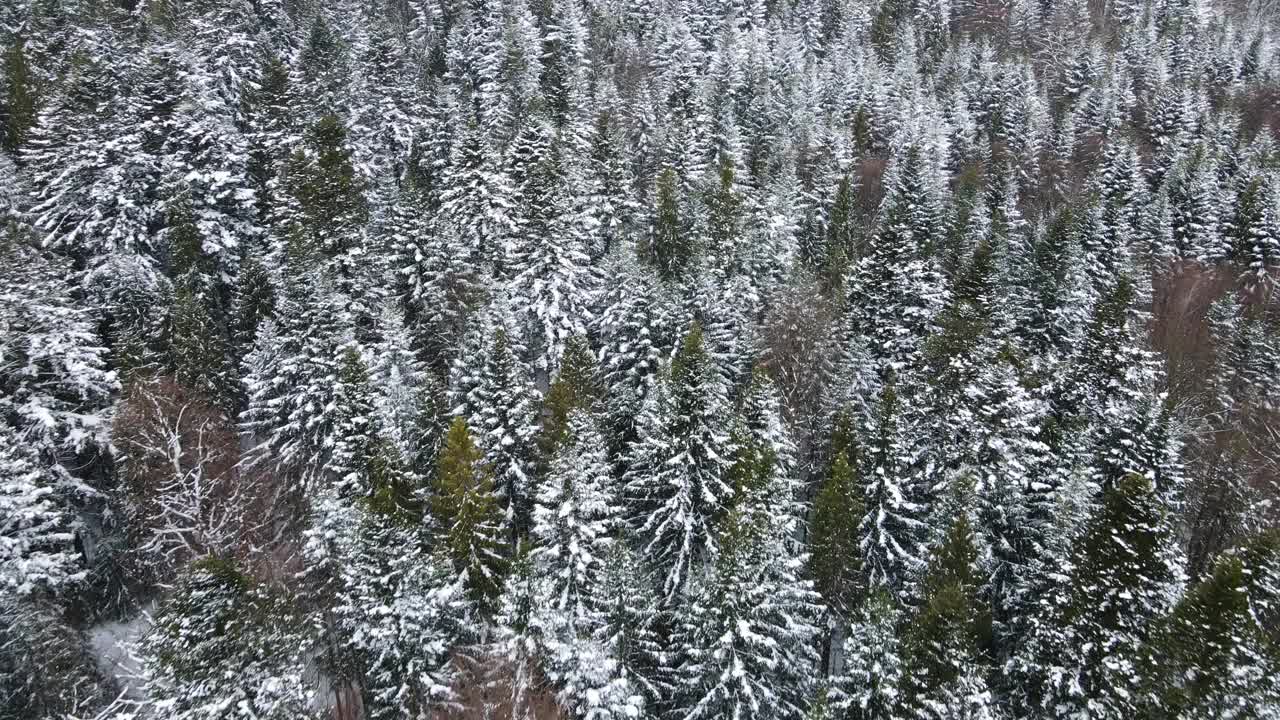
(891,533)
(20,106)
(1210,655)
(468,518)
(328,208)
(490,388)
(1125,573)
(197,345)
(675,487)
(870,687)
(946,677)
(37,533)
(835,555)
(55,383)
(222,646)
(670,245)
(746,637)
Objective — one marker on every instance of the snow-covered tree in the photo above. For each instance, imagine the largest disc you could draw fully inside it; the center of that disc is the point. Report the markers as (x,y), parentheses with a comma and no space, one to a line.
(37,533)
(54,373)
(491,388)
(675,485)
(224,646)
(746,639)
(1124,574)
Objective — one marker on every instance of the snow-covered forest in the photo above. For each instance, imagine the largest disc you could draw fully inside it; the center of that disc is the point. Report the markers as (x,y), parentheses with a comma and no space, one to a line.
(632,359)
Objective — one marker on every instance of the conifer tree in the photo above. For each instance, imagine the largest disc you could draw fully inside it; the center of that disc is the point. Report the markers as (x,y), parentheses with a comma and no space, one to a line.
(637,329)
(1211,655)
(490,387)
(290,383)
(196,341)
(549,261)
(252,301)
(835,555)
(896,291)
(468,518)
(573,533)
(1125,573)
(572,528)
(1253,232)
(576,388)
(18,111)
(747,636)
(946,677)
(477,200)
(871,685)
(55,381)
(329,209)
(36,638)
(37,533)
(223,646)
(892,531)
(670,246)
(631,623)
(675,486)
(364,464)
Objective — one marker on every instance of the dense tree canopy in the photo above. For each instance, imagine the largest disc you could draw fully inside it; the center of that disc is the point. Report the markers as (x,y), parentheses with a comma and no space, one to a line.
(605,359)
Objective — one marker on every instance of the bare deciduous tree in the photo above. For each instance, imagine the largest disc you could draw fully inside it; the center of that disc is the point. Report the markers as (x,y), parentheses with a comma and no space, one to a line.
(186,494)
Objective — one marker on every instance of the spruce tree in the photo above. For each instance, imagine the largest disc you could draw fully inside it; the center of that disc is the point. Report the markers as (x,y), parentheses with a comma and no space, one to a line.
(490,387)
(675,487)
(835,561)
(37,533)
(892,532)
(223,646)
(746,638)
(946,672)
(896,290)
(197,345)
(670,245)
(468,519)
(576,388)
(572,528)
(1211,656)
(328,208)
(871,684)
(20,106)
(1125,573)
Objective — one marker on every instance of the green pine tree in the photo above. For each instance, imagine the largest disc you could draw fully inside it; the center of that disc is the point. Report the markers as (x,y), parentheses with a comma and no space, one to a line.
(468,517)
(834,556)
(670,247)
(20,104)
(329,203)
(576,387)
(197,341)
